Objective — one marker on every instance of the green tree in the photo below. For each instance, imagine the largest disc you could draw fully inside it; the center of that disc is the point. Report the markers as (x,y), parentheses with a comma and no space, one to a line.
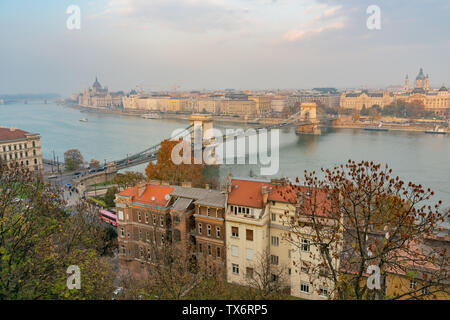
(110,196)
(39,240)
(73,159)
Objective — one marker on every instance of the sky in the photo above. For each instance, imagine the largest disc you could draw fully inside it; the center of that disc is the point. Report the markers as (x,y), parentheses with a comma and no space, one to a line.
(212,44)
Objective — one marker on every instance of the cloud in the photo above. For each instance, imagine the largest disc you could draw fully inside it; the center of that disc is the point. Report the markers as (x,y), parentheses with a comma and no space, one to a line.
(297,34)
(325,18)
(184,15)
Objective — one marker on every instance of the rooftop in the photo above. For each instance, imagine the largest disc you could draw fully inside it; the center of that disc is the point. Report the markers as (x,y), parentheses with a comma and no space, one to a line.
(7,134)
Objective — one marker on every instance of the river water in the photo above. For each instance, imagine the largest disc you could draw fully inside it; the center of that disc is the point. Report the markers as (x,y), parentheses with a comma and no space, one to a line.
(414,156)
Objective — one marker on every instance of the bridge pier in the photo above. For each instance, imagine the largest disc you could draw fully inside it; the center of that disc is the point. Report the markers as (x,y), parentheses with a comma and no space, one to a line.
(201,123)
(308,114)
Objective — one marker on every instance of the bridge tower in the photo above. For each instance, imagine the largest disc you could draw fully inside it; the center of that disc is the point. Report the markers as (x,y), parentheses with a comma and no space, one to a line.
(308,118)
(201,123)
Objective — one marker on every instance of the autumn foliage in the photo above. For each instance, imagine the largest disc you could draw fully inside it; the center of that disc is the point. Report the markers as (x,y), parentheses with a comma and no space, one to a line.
(166,170)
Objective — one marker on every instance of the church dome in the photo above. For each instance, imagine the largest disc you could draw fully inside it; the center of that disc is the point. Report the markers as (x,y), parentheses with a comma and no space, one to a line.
(443,88)
(420,76)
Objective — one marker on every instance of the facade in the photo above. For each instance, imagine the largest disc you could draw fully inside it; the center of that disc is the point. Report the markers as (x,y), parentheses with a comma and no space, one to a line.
(366,99)
(257,229)
(99,97)
(22,147)
(149,215)
(436,101)
(255,105)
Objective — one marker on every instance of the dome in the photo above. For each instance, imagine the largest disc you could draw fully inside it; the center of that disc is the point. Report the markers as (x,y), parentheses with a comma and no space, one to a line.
(443,88)
(420,76)
(96,84)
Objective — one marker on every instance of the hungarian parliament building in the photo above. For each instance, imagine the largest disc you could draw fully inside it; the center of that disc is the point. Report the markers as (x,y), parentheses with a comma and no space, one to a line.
(435,100)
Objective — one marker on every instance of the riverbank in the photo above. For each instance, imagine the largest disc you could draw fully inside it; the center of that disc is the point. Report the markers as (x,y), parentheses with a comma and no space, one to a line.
(173,116)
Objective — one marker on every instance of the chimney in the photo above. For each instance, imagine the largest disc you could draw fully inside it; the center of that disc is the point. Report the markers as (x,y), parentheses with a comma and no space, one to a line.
(265,194)
(141,189)
(229,180)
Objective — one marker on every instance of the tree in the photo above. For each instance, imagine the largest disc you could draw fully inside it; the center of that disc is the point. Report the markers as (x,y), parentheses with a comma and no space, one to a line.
(110,196)
(269,280)
(94,164)
(360,218)
(169,271)
(73,159)
(166,170)
(128,179)
(364,111)
(40,239)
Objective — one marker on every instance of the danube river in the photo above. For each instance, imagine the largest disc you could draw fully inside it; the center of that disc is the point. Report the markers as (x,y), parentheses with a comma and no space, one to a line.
(414,156)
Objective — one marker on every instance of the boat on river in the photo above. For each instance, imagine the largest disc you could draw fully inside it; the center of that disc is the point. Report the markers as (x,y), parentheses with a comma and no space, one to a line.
(379,128)
(436,130)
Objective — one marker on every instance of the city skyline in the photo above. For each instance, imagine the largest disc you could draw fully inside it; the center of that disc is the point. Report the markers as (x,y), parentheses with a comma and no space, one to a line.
(212,44)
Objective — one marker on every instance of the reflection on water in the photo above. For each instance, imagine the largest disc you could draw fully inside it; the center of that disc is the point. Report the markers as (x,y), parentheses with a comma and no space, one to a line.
(413,156)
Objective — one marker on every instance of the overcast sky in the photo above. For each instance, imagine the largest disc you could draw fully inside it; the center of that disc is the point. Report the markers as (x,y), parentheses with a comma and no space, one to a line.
(199,44)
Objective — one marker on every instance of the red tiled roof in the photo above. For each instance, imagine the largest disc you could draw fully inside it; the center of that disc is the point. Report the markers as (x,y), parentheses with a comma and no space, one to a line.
(247,193)
(8,134)
(154,195)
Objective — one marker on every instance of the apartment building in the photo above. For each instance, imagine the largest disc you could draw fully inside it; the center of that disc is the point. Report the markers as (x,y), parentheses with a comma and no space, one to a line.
(22,147)
(257,229)
(149,215)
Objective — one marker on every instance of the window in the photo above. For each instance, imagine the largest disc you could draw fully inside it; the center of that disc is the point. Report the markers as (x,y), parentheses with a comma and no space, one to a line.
(235,232)
(249,235)
(304,287)
(275,278)
(140,234)
(141,252)
(209,230)
(208,212)
(274,259)
(123,250)
(161,221)
(199,228)
(218,252)
(323,291)
(235,269)
(162,239)
(275,241)
(412,284)
(148,254)
(120,212)
(209,250)
(249,254)
(177,235)
(146,217)
(200,248)
(147,236)
(218,232)
(249,273)
(305,245)
(154,219)
(274,217)
(235,251)
(139,216)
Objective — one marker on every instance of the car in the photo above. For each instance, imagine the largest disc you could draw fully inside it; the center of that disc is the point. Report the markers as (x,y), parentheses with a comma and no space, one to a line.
(77,173)
(52,177)
(92,170)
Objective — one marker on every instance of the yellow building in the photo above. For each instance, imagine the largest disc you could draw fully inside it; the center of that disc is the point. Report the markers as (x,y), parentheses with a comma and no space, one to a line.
(366,99)
(436,101)
(256,230)
(263,104)
(21,147)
